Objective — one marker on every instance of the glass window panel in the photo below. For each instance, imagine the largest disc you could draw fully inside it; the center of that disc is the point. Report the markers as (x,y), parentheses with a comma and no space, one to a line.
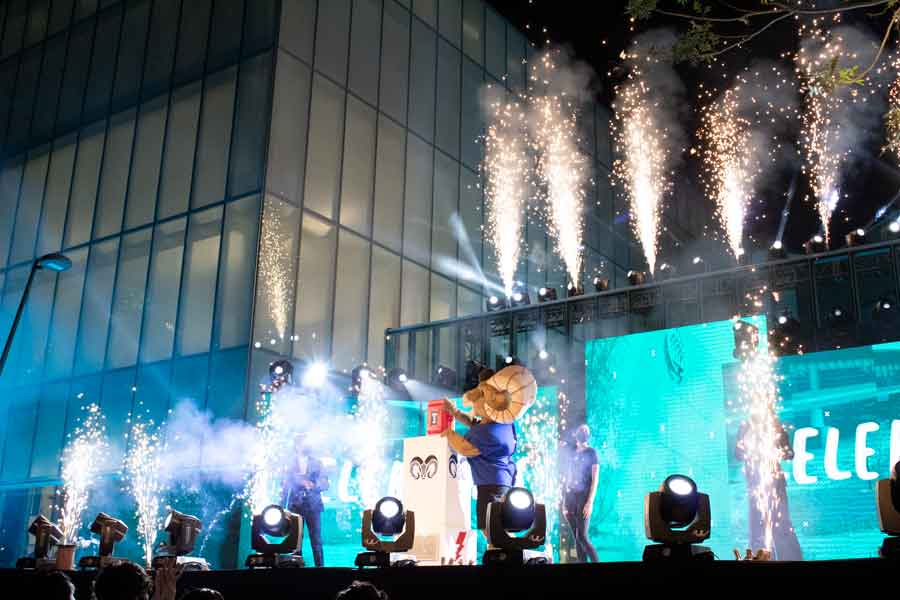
(24,100)
(297,33)
(117,400)
(92,333)
(216,114)
(85,183)
(472,215)
(604,150)
(19,439)
(473,30)
(359,167)
(14,29)
(446,202)
(443,298)
(48,90)
(287,139)
(384,301)
(192,37)
(495,43)
(78,60)
(426,10)
(199,288)
(61,349)
(114,176)
(131,53)
(389,172)
(394,61)
(128,302)
(8,70)
(60,15)
(38,14)
(144,181)
(164,282)
(225,36)
(259,26)
(414,300)
(10,181)
(515,55)
(56,198)
(248,145)
(26,360)
(472,125)
(31,198)
(312,323)
(103,63)
(450,20)
(365,46)
(350,302)
(332,34)
(161,46)
(326,132)
(422,80)
(227,384)
(189,383)
(468,301)
(238,261)
(276,275)
(12,294)
(151,398)
(417,208)
(178,159)
(84,8)
(448,93)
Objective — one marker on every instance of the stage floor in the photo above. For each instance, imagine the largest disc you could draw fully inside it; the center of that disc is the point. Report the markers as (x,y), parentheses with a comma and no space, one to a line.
(551,581)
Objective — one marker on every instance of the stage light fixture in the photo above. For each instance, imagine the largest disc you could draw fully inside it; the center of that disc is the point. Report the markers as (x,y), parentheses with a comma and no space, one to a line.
(445,377)
(515,512)
(894,227)
(396,379)
(887,501)
(46,535)
(182,530)
(316,375)
(677,517)
(275,537)
(281,373)
(519,298)
(856,237)
(666,271)
(546,294)
(815,245)
(777,251)
(495,303)
(601,284)
(111,531)
(543,354)
(386,529)
(573,290)
(636,278)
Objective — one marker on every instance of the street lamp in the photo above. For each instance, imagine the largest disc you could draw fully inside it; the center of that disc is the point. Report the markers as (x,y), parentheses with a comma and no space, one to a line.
(51,262)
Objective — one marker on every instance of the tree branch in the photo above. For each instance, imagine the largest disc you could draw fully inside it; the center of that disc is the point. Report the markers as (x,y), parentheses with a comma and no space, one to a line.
(749,37)
(828,11)
(740,19)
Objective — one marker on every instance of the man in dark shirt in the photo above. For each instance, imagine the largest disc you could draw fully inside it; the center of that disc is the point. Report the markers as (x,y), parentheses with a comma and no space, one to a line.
(580,490)
(302,488)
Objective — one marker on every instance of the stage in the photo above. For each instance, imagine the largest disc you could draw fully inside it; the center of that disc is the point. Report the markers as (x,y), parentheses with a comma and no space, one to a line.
(548,581)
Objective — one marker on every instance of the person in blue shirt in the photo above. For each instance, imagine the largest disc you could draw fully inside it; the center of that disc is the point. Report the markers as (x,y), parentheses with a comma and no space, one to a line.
(488,445)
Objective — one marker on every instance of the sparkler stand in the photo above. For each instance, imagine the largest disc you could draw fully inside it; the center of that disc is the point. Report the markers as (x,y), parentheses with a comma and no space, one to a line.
(65,557)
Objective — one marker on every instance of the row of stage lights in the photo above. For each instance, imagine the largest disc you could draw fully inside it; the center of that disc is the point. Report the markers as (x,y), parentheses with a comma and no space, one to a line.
(677,517)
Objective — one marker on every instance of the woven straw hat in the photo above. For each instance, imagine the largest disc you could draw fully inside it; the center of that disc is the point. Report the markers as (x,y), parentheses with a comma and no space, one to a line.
(508,394)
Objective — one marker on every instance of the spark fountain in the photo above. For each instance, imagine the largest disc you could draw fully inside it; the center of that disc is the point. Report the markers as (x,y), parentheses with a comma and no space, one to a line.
(272,446)
(143,474)
(370,432)
(562,169)
(276,268)
(505,172)
(729,158)
(82,459)
(642,142)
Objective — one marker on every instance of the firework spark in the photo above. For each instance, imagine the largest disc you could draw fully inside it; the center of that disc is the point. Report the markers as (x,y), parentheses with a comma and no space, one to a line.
(505,170)
(142,471)
(81,461)
(270,450)
(642,142)
(276,268)
(371,430)
(562,169)
(730,159)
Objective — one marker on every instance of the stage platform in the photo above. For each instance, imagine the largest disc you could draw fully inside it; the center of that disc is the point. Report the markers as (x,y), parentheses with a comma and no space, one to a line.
(555,582)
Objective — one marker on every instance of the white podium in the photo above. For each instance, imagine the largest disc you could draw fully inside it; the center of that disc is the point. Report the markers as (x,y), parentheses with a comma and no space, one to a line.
(434,490)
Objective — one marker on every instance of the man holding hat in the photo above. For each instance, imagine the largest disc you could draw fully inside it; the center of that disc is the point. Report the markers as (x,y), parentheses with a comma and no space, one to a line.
(490,441)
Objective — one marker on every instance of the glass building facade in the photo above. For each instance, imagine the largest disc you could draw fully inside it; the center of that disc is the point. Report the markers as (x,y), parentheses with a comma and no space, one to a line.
(236,180)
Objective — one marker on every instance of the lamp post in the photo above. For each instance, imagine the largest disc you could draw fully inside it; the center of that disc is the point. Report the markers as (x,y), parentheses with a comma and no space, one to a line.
(51,262)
